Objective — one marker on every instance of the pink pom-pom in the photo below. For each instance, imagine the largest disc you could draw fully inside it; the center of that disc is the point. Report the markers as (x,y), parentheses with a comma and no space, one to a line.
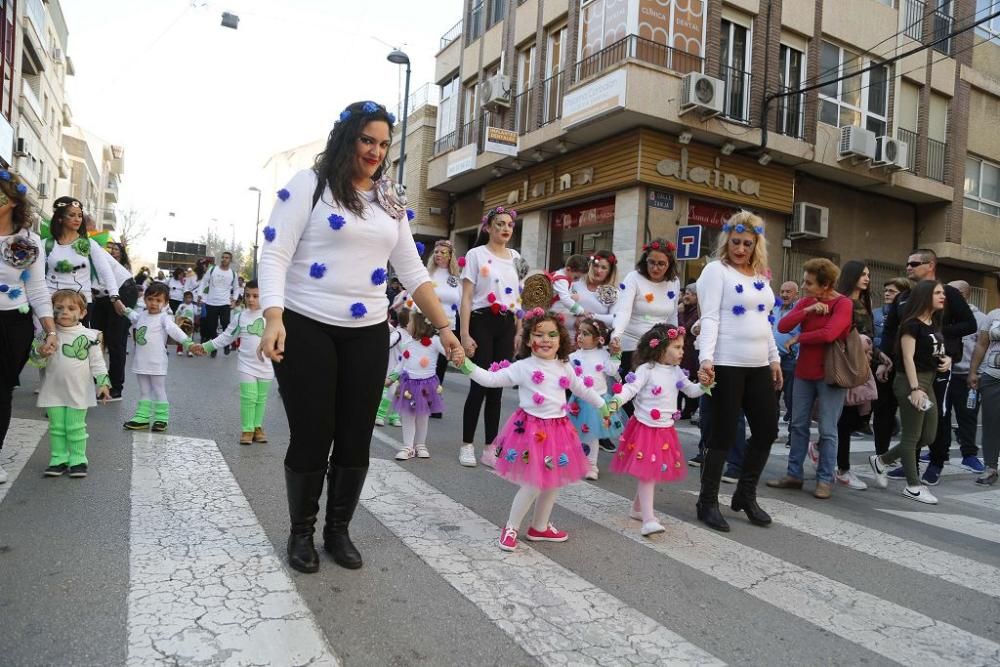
(654,413)
(494,367)
(599,368)
(564,382)
(491,297)
(588,381)
(616,388)
(538,398)
(538,377)
(676,416)
(578,371)
(461,262)
(504,364)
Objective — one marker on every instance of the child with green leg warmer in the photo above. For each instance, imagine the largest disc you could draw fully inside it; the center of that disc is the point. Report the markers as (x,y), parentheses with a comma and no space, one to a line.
(153,326)
(68,388)
(256,374)
(398,338)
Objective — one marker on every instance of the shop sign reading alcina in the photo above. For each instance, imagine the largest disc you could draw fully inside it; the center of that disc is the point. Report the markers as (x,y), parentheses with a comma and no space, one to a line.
(549,186)
(713,178)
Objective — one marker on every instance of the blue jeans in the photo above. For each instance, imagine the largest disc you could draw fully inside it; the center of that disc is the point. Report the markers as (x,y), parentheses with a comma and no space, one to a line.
(830,401)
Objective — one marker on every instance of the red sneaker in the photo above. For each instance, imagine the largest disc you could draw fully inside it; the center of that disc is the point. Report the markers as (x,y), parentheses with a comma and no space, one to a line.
(550,534)
(508,539)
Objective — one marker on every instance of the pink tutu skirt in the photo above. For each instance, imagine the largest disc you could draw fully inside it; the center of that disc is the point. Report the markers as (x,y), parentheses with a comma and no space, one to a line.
(417,397)
(650,454)
(544,453)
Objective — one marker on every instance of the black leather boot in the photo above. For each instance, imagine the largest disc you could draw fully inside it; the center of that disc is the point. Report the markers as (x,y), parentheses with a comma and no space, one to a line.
(304,490)
(708,499)
(341,499)
(745,498)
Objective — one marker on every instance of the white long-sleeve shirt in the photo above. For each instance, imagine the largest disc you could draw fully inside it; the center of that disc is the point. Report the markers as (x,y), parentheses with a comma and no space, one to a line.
(66,268)
(655,388)
(219,286)
(25,286)
(735,330)
(151,332)
(642,304)
(592,304)
(494,279)
(449,292)
(121,275)
(541,385)
(177,289)
(398,337)
(417,360)
(596,364)
(70,372)
(330,265)
(248,327)
(562,289)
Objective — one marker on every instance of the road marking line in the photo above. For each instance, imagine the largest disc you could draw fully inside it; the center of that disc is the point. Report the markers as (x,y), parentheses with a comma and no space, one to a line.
(554,615)
(891,630)
(987,499)
(959,523)
(22,439)
(205,585)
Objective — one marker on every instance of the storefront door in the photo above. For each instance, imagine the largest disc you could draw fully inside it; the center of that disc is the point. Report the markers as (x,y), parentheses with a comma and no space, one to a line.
(580,230)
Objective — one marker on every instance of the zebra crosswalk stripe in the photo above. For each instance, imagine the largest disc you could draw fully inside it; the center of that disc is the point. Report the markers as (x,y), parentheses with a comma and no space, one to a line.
(986,499)
(556,616)
(205,586)
(959,523)
(22,439)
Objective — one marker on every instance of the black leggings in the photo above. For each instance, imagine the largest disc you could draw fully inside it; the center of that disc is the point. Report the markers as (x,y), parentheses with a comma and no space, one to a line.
(494,336)
(753,390)
(16,333)
(330,383)
(849,422)
(884,414)
(214,315)
(115,329)
(442,363)
(623,370)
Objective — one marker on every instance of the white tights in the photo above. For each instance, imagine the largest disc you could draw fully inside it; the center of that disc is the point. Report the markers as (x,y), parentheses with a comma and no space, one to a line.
(643,502)
(544,502)
(152,387)
(592,456)
(414,429)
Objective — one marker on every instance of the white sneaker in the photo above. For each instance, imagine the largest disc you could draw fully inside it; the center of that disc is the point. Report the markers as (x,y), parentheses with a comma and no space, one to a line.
(3,475)
(379,421)
(850,480)
(489,457)
(879,468)
(422,452)
(592,473)
(190,354)
(919,493)
(811,462)
(652,528)
(179,352)
(405,454)
(467,456)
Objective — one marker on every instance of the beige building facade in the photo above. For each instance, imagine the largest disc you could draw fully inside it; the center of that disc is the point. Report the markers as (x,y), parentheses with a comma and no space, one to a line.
(859,129)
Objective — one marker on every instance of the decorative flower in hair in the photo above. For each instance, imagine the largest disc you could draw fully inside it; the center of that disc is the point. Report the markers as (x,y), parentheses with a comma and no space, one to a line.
(392,118)
(682,331)
(345,115)
(726,227)
(499,210)
(4,175)
(672,334)
(759,229)
(740,228)
(654,343)
(537,312)
(284,194)
(369,107)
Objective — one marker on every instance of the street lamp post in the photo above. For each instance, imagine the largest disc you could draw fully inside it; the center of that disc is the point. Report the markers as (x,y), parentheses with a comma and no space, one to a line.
(399,58)
(256,230)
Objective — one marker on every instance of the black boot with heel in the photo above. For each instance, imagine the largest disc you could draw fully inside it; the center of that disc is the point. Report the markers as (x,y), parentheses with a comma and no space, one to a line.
(304,490)
(745,498)
(708,498)
(342,497)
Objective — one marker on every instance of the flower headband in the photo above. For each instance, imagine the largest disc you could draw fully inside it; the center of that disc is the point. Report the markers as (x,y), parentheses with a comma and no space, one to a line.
(498,210)
(535,312)
(7,176)
(739,228)
(68,203)
(444,243)
(656,245)
(612,260)
(367,108)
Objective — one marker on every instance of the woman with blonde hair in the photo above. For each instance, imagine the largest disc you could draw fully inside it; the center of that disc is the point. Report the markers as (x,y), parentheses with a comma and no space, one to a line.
(738,353)
(447,280)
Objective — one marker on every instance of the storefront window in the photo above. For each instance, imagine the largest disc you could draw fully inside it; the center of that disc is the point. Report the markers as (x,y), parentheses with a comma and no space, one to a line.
(581,230)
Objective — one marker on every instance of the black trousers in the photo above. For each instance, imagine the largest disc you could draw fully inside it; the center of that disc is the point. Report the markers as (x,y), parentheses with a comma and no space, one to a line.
(16,334)
(884,414)
(751,389)
(214,316)
(115,329)
(174,305)
(849,422)
(942,441)
(494,336)
(624,369)
(966,418)
(330,383)
(442,363)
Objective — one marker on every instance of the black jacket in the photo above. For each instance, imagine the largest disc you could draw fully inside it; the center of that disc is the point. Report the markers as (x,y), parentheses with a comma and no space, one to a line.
(956,321)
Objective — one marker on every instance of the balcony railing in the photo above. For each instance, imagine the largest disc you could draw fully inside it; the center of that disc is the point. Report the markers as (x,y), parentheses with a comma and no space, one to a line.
(910,139)
(943,25)
(552,97)
(791,114)
(737,105)
(427,94)
(468,134)
(913,19)
(637,48)
(936,151)
(445,143)
(523,106)
(453,33)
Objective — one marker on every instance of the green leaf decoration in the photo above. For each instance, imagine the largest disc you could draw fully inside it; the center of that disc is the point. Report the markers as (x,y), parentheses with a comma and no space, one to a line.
(140,336)
(257,328)
(82,246)
(64,266)
(78,349)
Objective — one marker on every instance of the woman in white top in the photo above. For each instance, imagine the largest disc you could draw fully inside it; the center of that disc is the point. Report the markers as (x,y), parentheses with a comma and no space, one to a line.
(446,278)
(22,292)
(649,296)
(178,286)
(322,273)
(490,298)
(596,291)
(737,350)
(115,327)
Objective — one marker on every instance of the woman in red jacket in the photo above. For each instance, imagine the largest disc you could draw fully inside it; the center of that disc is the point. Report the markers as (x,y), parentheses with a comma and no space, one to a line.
(825,316)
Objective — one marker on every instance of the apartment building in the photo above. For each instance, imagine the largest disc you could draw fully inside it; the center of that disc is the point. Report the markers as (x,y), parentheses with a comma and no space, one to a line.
(94,175)
(858,129)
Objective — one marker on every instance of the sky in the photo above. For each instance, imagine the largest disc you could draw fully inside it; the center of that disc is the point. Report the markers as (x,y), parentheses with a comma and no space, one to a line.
(200,108)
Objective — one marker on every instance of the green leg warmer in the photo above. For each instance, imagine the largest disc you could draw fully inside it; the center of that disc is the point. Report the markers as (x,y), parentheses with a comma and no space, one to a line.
(76,435)
(143,410)
(161,411)
(385,406)
(57,436)
(248,403)
(263,389)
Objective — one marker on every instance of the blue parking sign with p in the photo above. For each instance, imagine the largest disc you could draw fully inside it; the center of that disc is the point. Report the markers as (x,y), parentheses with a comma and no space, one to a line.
(688,242)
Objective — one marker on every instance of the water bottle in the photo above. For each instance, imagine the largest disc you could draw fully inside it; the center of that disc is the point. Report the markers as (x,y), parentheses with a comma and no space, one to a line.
(970,402)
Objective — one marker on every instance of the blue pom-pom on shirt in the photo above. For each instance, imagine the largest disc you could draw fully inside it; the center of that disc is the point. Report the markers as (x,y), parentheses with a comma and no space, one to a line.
(284,194)
(771,319)
(630,378)
(454,307)
(671,294)
(25,275)
(378,276)
(679,384)
(508,290)
(420,248)
(621,286)
(410,215)
(4,288)
(358,310)
(759,284)
(269,233)
(778,302)
(761,307)
(738,310)
(14,293)
(336,221)
(739,289)
(317,270)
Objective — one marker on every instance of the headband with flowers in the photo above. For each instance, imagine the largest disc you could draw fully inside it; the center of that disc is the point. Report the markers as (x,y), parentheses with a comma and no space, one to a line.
(498,210)
(443,243)
(21,188)
(672,334)
(612,260)
(740,228)
(368,108)
(656,245)
(61,204)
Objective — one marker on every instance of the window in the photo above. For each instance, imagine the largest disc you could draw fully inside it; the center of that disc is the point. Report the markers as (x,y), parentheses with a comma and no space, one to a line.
(602,23)
(943,25)
(861,99)
(523,105)
(476,20)
(496,11)
(677,25)
(791,68)
(734,69)
(447,117)
(989,29)
(982,186)
(552,86)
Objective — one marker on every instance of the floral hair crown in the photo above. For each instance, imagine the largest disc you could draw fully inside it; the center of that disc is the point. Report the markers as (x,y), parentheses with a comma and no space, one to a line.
(656,245)
(8,176)
(62,204)
(368,108)
(739,228)
(612,260)
(498,210)
(444,243)
(672,334)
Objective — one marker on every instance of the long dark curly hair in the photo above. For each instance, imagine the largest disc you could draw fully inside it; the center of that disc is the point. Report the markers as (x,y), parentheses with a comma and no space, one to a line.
(335,165)
(22,216)
(60,209)
(530,321)
(647,352)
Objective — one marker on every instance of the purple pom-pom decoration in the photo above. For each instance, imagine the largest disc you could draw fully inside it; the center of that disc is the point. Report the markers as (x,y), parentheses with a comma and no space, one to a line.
(358,310)
(494,367)
(738,310)
(369,107)
(504,364)
(599,367)
(761,307)
(621,286)
(284,194)
(759,284)
(378,276)
(676,416)
(739,289)
(630,378)
(564,382)
(345,115)
(269,233)
(538,398)
(508,290)
(410,214)
(588,382)
(317,270)
(520,314)
(420,248)
(21,188)
(336,221)
(679,384)
(538,377)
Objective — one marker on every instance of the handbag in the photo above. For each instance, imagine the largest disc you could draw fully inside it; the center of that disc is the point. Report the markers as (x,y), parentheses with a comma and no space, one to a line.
(845,363)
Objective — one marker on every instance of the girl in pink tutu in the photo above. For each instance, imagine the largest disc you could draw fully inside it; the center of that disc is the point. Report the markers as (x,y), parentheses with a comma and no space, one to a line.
(418,393)
(538,448)
(649,449)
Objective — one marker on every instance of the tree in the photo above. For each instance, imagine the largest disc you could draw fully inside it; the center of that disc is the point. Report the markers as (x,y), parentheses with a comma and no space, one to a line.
(216,244)
(132,226)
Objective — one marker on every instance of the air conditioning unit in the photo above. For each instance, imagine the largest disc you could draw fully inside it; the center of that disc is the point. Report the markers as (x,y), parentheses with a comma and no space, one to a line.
(495,92)
(856,142)
(43,190)
(21,148)
(891,153)
(57,55)
(702,93)
(809,221)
